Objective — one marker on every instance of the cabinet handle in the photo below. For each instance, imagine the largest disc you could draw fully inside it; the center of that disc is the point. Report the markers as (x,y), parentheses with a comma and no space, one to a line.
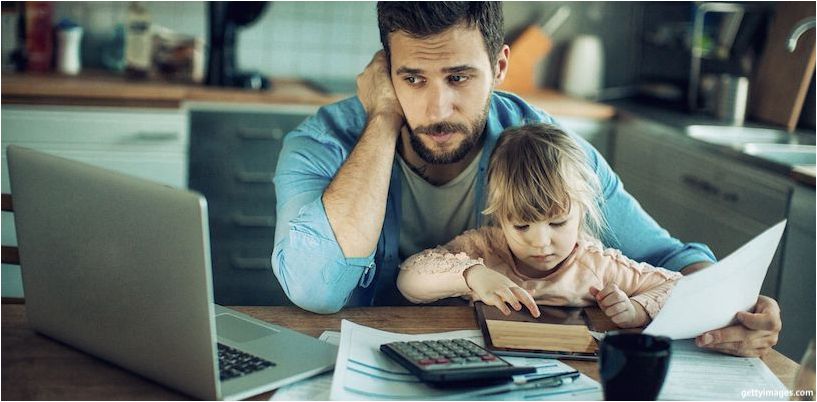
(700,185)
(252,264)
(260,134)
(255,177)
(157,135)
(254,221)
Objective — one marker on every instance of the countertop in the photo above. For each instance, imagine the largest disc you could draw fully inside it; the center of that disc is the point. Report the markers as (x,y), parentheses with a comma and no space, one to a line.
(95,88)
(676,122)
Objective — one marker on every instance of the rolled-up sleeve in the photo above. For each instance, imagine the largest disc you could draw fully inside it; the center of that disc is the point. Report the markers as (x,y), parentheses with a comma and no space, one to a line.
(307,259)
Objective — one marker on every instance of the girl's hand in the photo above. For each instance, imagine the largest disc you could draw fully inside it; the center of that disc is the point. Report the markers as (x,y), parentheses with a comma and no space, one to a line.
(496,290)
(617,305)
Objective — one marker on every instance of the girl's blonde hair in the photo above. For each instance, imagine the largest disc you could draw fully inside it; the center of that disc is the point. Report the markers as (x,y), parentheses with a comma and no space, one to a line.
(537,172)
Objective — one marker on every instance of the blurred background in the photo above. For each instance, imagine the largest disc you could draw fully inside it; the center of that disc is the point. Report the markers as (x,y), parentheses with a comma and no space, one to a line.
(704,109)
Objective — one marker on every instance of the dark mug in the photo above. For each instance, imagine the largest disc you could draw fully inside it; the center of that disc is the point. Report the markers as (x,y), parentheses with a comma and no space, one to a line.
(632,366)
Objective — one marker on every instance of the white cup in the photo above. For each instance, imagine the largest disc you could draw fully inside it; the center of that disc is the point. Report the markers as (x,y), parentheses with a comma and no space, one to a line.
(68,56)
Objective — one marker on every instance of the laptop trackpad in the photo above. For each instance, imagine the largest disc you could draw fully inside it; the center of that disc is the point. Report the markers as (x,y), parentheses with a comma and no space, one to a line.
(239,330)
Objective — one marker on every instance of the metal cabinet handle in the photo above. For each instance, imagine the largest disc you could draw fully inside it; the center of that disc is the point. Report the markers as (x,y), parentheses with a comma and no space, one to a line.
(157,135)
(700,184)
(253,264)
(246,133)
(255,221)
(255,177)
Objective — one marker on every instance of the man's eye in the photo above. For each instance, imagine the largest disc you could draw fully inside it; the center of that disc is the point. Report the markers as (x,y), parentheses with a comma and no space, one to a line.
(521,228)
(412,80)
(458,79)
(558,224)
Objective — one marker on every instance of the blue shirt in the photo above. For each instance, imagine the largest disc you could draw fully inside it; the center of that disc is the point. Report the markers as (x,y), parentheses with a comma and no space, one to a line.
(313,270)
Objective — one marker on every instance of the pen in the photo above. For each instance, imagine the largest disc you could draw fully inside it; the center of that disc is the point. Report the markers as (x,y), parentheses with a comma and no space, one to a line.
(535,378)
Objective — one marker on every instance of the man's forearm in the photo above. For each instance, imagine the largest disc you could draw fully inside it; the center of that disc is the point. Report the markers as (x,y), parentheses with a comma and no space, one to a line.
(355,200)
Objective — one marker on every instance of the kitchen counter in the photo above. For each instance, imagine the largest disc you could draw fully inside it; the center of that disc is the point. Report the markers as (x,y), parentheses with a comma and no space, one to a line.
(675,122)
(96,88)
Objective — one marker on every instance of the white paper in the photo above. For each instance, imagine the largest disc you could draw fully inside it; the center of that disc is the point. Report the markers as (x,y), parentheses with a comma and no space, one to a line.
(698,374)
(312,389)
(710,298)
(363,372)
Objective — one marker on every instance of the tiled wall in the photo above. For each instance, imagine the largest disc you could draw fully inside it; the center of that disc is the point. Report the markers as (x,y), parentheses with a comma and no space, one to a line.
(335,40)
(328,40)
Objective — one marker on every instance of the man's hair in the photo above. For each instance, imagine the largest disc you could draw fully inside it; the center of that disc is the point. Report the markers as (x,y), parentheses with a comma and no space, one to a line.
(538,172)
(420,19)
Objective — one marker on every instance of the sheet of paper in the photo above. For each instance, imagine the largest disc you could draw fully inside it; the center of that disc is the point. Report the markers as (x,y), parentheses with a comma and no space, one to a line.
(698,374)
(312,389)
(709,299)
(363,372)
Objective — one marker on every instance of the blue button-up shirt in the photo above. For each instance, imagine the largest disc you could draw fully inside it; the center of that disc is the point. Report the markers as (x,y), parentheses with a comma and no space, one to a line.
(313,270)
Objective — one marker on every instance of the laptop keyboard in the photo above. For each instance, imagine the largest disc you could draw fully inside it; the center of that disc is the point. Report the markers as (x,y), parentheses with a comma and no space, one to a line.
(235,363)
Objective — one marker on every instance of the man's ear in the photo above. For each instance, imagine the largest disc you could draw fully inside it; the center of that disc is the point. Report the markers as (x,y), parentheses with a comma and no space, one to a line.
(501,66)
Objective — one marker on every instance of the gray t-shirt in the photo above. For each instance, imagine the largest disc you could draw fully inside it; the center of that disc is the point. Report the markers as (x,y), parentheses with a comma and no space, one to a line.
(433,215)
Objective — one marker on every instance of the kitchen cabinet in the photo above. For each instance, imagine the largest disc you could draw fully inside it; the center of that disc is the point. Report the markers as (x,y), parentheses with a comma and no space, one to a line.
(797,282)
(233,154)
(150,143)
(698,196)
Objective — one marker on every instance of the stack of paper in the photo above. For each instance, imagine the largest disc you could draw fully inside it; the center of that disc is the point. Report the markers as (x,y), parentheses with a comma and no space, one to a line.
(363,372)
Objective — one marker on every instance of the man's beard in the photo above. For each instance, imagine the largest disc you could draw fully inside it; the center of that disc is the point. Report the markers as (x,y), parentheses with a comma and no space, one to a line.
(472,135)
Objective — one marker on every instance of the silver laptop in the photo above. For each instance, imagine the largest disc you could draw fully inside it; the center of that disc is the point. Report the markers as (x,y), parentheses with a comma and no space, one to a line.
(119,267)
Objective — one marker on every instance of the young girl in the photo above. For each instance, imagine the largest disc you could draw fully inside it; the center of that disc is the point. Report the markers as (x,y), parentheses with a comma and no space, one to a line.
(545,199)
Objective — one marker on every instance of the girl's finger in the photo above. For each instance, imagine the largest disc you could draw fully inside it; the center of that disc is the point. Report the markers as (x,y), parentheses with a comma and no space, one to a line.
(527,300)
(616,309)
(509,297)
(495,301)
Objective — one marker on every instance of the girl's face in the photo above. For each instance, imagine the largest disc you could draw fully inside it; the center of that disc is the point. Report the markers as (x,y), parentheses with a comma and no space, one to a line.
(540,246)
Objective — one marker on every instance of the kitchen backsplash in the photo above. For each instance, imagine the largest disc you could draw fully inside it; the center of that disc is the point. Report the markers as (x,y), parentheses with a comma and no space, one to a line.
(317,40)
(335,40)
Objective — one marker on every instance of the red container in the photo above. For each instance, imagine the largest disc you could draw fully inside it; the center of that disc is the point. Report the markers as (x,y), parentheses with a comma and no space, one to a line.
(39,37)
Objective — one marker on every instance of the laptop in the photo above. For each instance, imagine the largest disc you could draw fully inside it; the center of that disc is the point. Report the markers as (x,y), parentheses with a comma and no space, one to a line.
(119,267)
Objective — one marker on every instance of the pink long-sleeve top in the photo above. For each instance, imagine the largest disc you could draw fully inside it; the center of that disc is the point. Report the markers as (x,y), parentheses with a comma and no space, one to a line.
(437,273)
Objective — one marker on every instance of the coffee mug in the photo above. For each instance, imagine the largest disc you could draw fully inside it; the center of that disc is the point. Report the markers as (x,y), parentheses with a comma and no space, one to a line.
(633,366)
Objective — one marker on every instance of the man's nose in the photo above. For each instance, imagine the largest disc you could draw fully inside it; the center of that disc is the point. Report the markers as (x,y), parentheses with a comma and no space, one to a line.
(439,102)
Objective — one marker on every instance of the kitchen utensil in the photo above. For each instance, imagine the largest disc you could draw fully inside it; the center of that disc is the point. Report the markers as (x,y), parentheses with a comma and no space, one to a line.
(528,49)
(782,78)
(584,67)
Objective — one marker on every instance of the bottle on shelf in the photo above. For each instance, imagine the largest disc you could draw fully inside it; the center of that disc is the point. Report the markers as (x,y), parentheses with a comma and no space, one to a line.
(138,41)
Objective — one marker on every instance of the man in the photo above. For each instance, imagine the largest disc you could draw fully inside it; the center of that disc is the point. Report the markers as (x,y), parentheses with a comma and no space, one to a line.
(401,167)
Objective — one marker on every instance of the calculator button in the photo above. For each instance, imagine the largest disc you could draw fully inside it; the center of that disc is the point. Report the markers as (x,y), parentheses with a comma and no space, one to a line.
(489,357)
(425,362)
(442,360)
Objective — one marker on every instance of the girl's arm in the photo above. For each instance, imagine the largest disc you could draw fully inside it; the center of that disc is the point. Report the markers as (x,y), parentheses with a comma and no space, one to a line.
(438,273)
(645,287)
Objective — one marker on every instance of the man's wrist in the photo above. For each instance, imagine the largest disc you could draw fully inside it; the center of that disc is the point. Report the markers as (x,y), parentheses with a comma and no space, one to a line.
(391,121)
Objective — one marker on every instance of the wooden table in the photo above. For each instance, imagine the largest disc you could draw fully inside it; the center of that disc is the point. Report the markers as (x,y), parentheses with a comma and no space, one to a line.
(36,367)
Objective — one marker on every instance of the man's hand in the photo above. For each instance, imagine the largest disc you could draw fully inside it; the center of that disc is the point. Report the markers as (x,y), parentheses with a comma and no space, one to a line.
(617,305)
(753,337)
(376,91)
(496,290)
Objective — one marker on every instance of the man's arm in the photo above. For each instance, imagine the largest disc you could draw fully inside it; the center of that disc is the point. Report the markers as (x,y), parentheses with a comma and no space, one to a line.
(328,226)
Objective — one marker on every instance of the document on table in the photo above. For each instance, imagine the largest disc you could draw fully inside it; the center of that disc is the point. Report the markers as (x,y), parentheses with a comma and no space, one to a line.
(312,389)
(363,372)
(698,374)
(710,298)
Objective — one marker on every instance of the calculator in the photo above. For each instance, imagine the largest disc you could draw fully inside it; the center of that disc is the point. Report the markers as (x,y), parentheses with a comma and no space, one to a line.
(452,362)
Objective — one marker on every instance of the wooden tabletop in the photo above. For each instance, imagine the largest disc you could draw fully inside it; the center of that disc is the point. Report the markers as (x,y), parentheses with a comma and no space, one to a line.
(36,367)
